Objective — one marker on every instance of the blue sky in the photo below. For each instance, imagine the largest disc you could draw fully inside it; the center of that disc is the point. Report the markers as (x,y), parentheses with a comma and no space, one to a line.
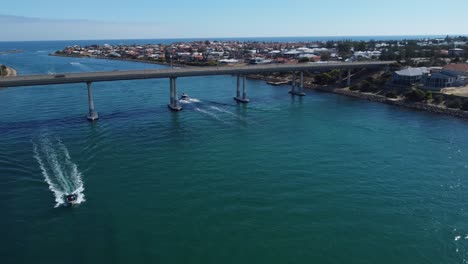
(123,19)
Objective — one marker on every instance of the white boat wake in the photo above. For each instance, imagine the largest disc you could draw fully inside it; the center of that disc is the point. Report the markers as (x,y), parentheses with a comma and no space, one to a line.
(189,101)
(210,114)
(59,171)
(229,113)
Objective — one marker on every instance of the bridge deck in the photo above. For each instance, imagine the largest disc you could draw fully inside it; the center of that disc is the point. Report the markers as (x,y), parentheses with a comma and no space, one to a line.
(29,80)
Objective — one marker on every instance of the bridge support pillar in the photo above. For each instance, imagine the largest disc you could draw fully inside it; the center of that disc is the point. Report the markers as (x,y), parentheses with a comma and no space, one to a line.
(348,79)
(244,98)
(340,79)
(238,87)
(92,114)
(301,85)
(174,101)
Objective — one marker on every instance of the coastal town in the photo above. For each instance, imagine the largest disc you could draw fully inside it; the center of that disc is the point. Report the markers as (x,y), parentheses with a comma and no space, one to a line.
(433,72)
(261,132)
(426,52)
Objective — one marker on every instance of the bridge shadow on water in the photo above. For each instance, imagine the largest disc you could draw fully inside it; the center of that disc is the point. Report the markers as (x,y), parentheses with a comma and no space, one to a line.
(78,120)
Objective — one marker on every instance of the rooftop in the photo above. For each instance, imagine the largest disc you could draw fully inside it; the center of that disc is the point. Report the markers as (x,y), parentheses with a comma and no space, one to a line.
(460,67)
(413,71)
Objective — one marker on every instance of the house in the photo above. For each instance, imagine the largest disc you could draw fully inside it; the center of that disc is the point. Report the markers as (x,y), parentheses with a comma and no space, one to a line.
(452,75)
(457,68)
(456,52)
(258,60)
(291,53)
(409,76)
(436,81)
(228,61)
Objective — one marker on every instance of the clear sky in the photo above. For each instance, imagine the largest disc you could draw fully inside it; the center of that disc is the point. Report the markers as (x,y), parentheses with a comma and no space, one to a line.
(123,19)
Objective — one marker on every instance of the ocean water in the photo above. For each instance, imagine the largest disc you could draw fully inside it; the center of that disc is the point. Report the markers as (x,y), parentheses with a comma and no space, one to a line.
(322,179)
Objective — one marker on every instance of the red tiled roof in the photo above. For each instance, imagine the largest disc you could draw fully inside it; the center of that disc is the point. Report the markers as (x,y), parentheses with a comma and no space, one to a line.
(460,67)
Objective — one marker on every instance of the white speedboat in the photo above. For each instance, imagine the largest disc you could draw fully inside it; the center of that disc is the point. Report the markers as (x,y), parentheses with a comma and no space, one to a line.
(71,199)
(184,96)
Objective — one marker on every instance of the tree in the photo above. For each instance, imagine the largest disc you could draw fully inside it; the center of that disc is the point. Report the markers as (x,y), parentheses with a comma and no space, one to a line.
(360,46)
(428,95)
(344,49)
(303,60)
(454,103)
(464,106)
(391,94)
(415,95)
(3,70)
(354,88)
(327,77)
(438,99)
(368,87)
(324,56)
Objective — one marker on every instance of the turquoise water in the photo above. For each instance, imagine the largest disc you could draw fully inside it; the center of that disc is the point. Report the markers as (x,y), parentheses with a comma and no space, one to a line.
(323,179)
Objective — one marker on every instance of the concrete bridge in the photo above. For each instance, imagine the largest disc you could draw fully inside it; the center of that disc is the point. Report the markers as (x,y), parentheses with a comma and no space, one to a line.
(173,74)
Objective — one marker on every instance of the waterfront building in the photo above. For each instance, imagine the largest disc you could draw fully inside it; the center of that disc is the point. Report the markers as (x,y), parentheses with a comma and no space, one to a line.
(439,80)
(452,75)
(457,68)
(409,76)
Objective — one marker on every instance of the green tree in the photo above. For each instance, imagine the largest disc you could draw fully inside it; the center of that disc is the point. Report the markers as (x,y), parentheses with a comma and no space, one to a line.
(428,95)
(391,94)
(325,56)
(464,106)
(3,70)
(454,103)
(344,49)
(368,87)
(415,95)
(303,60)
(438,99)
(327,78)
(360,46)
(354,88)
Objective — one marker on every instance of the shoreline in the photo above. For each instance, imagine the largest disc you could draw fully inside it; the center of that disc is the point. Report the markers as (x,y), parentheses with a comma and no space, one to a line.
(434,109)
(119,59)
(395,102)
(329,89)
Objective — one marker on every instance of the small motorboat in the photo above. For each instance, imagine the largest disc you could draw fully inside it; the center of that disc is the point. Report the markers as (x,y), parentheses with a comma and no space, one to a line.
(184,96)
(71,199)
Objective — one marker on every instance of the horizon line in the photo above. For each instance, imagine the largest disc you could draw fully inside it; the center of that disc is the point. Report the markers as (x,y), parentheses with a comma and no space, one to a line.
(214,38)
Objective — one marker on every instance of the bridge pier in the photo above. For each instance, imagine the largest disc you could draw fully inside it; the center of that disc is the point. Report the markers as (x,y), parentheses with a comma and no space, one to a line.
(174,100)
(301,85)
(238,87)
(340,78)
(387,68)
(244,98)
(92,114)
(348,79)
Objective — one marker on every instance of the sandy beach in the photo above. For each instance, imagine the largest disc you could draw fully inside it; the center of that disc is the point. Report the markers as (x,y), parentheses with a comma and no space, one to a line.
(11,72)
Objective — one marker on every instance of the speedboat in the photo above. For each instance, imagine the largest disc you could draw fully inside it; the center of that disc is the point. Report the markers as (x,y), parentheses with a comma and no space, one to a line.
(71,199)
(184,96)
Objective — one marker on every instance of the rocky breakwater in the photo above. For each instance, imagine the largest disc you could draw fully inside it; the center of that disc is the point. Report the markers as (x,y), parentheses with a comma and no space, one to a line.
(398,102)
